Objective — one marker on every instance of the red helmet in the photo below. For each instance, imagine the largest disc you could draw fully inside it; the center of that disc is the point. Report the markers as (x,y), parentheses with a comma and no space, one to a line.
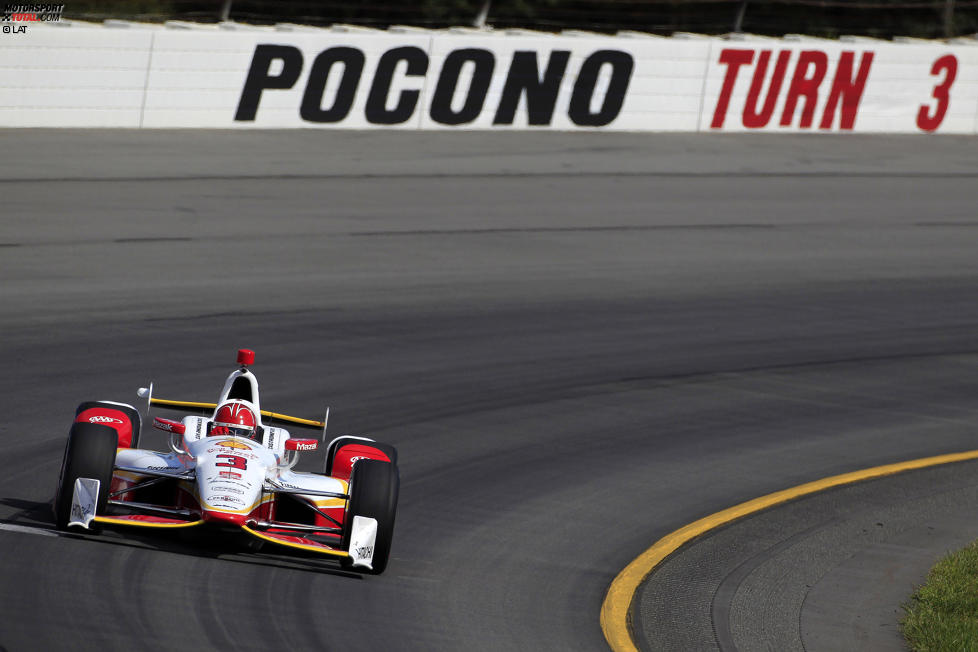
(234,418)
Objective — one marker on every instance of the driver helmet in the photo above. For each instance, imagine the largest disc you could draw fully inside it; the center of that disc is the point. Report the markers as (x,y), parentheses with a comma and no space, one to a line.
(235,418)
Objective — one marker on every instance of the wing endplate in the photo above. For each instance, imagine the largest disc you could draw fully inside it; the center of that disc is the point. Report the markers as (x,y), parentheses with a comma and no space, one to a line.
(363,537)
(83,501)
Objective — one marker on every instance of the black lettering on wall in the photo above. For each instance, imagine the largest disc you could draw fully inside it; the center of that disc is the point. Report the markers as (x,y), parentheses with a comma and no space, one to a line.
(621,73)
(441,104)
(417,66)
(541,94)
(352,60)
(259,79)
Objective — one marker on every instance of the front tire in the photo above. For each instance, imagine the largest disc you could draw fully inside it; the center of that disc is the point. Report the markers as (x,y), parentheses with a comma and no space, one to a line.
(89,453)
(374,487)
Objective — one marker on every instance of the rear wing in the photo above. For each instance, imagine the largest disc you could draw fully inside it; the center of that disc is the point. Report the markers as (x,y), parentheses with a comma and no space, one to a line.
(146,392)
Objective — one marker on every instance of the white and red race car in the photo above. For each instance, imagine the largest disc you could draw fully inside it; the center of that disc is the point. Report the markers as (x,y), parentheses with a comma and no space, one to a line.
(230,471)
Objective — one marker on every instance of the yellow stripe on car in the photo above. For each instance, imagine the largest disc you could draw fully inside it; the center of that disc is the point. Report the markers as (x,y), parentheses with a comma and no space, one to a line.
(125,521)
(300,546)
(330,503)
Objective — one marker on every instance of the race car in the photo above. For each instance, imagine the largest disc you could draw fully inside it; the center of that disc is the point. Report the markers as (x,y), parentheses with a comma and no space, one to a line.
(229,471)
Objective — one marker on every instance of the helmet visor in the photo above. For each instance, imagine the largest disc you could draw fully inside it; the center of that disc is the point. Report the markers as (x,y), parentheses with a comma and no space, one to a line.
(240,431)
(233,430)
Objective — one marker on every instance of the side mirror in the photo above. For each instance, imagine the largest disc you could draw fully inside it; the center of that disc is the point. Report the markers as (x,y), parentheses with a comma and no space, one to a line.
(146,393)
(301,444)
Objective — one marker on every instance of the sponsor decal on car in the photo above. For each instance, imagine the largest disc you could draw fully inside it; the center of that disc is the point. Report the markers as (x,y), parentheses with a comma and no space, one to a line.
(230,474)
(230,443)
(77,513)
(225,488)
(103,419)
(240,483)
(246,453)
(365,551)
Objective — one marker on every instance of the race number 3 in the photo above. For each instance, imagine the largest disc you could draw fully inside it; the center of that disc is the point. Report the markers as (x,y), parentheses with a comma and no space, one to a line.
(233,461)
(926,119)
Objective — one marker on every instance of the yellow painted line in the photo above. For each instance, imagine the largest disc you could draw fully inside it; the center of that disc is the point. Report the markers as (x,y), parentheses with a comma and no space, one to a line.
(300,546)
(264,413)
(614,610)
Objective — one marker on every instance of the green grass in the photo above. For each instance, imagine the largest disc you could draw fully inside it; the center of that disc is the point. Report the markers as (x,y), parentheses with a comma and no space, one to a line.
(943,613)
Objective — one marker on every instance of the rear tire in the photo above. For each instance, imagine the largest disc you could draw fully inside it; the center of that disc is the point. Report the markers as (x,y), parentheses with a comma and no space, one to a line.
(374,487)
(89,453)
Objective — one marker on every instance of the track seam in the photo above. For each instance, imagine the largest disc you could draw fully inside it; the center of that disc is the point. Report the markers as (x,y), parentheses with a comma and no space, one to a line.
(572,174)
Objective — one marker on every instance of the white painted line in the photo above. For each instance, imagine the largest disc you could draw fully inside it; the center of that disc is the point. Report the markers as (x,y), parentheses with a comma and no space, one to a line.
(29,530)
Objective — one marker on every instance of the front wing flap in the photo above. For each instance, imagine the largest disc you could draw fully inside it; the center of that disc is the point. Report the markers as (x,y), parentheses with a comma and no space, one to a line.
(362,540)
(147,520)
(297,542)
(188,475)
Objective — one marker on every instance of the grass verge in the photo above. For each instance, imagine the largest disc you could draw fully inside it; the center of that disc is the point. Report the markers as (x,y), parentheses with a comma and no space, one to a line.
(943,613)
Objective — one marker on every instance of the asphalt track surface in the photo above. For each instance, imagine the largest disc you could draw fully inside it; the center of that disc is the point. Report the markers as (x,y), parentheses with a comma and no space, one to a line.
(578,342)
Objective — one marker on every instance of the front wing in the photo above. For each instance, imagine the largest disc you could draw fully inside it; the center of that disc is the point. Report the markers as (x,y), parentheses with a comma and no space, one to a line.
(362,536)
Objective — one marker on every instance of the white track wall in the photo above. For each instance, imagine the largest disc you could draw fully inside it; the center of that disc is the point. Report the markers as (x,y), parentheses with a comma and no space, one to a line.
(82,75)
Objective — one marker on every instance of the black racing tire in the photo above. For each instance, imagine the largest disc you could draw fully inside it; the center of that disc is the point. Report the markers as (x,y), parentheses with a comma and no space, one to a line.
(374,487)
(340,442)
(89,453)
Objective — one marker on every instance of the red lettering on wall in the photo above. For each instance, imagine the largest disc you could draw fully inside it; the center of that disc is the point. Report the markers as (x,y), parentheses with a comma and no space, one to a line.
(810,71)
(752,118)
(847,88)
(733,59)
(803,85)
(948,64)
